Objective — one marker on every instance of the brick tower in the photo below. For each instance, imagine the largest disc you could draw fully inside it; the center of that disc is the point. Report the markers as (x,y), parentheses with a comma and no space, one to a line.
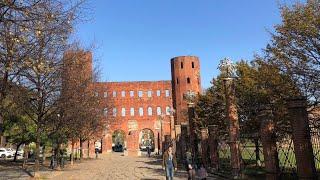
(185,71)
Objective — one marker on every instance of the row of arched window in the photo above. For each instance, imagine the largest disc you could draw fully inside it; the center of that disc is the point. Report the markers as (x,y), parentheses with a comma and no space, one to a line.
(140,93)
(140,111)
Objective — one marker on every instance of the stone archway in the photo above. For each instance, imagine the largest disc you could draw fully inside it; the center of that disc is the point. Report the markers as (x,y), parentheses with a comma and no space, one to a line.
(119,142)
(146,139)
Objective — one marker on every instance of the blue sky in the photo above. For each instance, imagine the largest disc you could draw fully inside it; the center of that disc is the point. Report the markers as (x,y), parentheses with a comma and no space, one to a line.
(135,39)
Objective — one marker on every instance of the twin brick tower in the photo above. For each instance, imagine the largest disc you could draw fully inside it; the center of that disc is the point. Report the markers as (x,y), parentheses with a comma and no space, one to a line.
(146,113)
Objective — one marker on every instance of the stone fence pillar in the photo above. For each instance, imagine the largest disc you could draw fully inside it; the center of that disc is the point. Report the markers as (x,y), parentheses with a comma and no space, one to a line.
(301,138)
(213,146)
(232,117)
(268,140)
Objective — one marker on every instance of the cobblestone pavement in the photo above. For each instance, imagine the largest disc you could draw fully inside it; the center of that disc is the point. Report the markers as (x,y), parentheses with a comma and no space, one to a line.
(115,166)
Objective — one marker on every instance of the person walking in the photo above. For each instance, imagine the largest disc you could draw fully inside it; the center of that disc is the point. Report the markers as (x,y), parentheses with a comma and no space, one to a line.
(190,165)
(96,151)
(149,151)
(169,163)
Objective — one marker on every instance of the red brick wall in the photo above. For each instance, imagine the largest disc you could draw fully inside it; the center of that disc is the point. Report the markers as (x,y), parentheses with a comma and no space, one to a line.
(121,122)
(190,70)
(181,70)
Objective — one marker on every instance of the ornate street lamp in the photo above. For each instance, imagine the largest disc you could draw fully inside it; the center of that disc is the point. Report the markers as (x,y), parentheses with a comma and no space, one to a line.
(190,98)
(227,69)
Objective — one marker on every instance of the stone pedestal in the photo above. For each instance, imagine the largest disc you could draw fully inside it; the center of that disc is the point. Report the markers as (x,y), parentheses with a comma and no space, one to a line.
(301,138)
(213,146)
(268,139)
(133,143)
(107,144)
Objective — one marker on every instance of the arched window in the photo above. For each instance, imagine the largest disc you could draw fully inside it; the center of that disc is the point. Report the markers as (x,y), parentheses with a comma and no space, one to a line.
(114,112)
(123,112)
(131,93)
(149,111)
(168,110)
(105,112)
(158,111)
(167,93)
(140,111)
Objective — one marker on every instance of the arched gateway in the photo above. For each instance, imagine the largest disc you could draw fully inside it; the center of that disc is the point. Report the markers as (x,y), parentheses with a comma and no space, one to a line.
(146,140)
(133,107)
(140,110)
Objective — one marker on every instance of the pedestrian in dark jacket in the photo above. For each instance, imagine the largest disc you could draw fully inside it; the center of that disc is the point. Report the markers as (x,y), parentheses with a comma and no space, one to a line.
(169,163)
(190,165)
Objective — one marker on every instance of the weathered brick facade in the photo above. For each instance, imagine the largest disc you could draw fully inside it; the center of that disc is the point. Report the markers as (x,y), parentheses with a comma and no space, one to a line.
(185,72)
(125,110)
(127,106)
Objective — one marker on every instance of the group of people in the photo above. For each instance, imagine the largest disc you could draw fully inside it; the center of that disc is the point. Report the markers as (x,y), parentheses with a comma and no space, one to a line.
(169,164)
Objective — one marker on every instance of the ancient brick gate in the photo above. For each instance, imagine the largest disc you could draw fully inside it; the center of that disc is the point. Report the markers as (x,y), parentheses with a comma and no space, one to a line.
(134,106)
(136,136)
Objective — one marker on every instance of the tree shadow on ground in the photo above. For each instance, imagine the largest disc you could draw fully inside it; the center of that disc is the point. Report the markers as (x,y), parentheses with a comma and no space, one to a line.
(156,161)
(13,170)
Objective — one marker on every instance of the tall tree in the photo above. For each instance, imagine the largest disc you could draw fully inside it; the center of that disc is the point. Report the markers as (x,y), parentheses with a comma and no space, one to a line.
(80,105)
(295,47)
(210,108)
(41,75)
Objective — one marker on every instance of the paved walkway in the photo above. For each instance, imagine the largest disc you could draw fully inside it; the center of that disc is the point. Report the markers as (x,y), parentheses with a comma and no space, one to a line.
(115,166)
(109,166)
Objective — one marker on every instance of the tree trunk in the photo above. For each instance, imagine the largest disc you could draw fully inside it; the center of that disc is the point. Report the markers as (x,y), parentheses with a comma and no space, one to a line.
(88,148)
(15,154)
(2,141)
(58,156)
(37,152)
(257,151)
(72,153)
(81,149)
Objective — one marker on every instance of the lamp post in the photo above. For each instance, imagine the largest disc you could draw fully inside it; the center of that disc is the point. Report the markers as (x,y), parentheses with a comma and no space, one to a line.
(160,139)
(171,112)
(227,69)
(190,98)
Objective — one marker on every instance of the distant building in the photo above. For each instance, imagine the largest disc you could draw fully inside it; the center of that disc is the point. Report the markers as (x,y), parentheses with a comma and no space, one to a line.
(140,113)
